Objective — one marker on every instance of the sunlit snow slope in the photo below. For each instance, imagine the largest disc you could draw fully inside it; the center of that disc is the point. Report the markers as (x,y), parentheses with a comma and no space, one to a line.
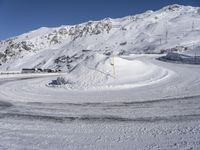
(66,47)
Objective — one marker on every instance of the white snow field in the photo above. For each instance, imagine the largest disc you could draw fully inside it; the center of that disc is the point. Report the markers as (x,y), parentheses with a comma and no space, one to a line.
(117,91)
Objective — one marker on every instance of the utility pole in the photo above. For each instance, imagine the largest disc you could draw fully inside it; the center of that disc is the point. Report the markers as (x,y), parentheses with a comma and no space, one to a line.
(160,40)
(166,33)
(193,25)
(113,64)
(166,36)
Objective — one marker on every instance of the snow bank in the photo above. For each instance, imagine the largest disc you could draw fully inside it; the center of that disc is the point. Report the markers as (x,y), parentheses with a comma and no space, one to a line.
(109,75)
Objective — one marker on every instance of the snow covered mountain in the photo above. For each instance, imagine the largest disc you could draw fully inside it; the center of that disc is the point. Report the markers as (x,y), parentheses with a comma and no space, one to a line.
(173,27)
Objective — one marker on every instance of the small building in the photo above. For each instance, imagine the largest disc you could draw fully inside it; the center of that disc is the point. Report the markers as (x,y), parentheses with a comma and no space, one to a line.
(26,70)
(48,70)
(58,70)
(39,70)
(86,50)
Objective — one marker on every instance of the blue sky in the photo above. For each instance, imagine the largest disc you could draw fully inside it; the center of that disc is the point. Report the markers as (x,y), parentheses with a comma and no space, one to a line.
(20,16)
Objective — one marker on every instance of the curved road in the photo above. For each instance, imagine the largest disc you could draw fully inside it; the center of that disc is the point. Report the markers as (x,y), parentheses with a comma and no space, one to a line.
(164,115)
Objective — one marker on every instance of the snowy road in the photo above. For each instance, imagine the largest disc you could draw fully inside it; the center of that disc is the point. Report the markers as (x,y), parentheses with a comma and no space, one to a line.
(163,115)
(164,124)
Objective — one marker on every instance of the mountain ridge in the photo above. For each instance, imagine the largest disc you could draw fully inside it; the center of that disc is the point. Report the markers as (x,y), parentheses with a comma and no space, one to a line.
(149,32)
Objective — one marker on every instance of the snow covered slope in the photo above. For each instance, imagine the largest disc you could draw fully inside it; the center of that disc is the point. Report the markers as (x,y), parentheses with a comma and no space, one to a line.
(66,47)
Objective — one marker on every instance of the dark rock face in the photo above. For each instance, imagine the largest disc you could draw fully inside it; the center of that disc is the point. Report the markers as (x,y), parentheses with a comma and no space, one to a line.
(55,40)
(63,59)
(62,31)
(3,57)
(25,46)
(9,52)
(123,43)
(174,7)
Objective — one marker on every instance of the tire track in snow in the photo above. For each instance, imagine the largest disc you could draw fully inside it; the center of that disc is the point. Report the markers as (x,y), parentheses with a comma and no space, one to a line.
(118,104)
(137,111)
(99,119)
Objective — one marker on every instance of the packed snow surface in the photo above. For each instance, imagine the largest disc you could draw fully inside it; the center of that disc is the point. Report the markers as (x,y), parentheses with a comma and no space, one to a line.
(159,112)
